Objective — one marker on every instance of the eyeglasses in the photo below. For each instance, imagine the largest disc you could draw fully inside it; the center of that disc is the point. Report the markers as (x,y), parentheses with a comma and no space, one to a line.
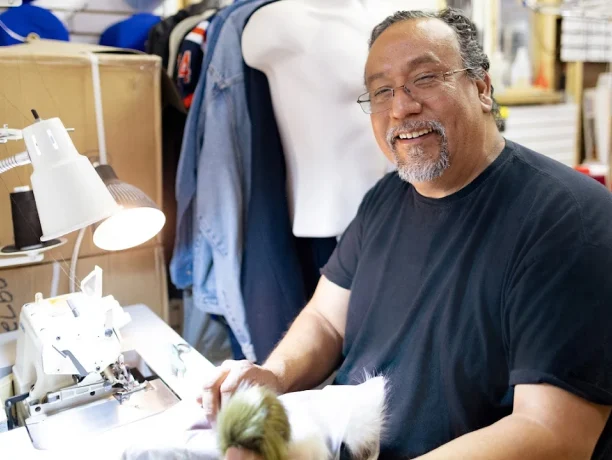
(423,87)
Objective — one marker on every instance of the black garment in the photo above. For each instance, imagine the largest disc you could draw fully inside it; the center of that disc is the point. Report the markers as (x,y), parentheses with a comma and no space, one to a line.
(279,271)
(190,57)
(456,300)
(158,41)
(174,116)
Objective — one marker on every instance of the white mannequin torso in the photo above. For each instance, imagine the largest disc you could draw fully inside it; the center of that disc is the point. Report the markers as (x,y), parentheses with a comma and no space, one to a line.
(313,53)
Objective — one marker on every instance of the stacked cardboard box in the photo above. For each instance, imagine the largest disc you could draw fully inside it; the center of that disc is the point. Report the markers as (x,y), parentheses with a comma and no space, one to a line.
(132,277)
(55,78)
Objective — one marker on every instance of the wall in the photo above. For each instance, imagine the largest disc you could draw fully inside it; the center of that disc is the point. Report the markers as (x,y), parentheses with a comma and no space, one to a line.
(87,19)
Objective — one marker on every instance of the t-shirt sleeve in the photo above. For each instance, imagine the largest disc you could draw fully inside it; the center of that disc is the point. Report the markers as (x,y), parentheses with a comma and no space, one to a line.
(342,265)
(558,321)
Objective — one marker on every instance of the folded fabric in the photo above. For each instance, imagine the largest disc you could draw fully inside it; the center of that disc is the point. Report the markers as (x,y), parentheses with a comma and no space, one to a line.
(321,421)
(17,23)
(130,33)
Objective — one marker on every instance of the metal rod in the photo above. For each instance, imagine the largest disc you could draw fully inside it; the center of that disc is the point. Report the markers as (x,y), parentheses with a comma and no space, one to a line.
(80,10)
(593,10)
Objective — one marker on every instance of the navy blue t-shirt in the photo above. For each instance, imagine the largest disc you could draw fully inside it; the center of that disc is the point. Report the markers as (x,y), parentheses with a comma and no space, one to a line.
(456,300)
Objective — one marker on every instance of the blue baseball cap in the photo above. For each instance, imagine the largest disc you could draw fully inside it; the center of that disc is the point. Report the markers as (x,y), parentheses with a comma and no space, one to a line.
(27,19)
(131,33)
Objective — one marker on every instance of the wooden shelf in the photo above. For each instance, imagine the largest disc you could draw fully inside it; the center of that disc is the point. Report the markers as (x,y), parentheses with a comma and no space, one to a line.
(529,96)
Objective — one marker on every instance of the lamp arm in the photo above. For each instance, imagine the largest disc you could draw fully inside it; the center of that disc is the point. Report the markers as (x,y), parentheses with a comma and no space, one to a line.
(12,162)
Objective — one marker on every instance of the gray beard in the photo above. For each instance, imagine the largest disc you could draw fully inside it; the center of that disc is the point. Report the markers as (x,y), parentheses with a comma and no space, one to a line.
(418,168)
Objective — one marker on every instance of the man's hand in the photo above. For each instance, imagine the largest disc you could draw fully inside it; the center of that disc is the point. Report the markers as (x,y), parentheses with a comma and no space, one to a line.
(306,356)
(227,378)
(235,453)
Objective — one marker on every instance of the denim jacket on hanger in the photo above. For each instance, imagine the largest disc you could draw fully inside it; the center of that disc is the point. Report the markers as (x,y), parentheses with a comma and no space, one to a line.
(213,178)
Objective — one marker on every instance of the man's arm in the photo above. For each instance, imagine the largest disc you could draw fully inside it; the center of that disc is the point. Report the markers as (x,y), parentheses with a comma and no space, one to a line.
(547,423)
(312,348)
(304,358)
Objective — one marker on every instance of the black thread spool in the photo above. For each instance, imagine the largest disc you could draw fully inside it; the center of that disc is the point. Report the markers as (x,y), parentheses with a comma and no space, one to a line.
(26,223)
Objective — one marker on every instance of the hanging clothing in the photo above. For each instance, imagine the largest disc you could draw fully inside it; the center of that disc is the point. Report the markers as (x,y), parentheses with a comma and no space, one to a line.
(130,33)
(189,62)
(206,333)
(158,41)
(209,334)
(17,23)
(173,116)
(279,271)
(178,36)
(213,179)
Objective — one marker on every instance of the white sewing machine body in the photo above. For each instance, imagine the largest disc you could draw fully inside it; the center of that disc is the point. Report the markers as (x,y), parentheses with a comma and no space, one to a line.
(66,336)
(72,375)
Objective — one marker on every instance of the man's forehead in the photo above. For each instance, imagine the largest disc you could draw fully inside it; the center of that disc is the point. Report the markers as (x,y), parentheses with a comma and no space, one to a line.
(409,44)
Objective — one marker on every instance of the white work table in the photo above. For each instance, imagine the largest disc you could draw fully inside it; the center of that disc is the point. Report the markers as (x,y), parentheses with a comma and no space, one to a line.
(153,340)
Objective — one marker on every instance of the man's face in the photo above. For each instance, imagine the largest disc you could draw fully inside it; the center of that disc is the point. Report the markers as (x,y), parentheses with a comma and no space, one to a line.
(440,119)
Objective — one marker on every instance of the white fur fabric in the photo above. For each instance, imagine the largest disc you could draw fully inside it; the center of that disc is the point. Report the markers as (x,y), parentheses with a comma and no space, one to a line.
(321,421)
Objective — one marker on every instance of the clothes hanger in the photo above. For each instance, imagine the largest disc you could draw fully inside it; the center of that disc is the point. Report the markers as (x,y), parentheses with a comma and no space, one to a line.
(10,33)
(32,35)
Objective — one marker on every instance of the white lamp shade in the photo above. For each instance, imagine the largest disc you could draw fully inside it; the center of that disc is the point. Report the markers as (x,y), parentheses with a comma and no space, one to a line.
(69,193)
(128,228)
(138,221)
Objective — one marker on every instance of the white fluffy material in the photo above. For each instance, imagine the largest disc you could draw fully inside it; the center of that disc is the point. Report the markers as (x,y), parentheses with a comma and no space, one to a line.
(321,421)
(367,422)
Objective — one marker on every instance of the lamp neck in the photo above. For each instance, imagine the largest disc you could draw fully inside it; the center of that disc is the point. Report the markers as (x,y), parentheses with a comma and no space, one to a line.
(12,162)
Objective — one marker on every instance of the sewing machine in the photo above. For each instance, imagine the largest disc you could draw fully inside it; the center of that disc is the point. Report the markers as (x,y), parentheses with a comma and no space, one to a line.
(73,376)
(83,377)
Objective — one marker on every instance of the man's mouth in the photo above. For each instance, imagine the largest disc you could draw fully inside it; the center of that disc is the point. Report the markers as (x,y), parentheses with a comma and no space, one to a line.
(407,138)
(414,134)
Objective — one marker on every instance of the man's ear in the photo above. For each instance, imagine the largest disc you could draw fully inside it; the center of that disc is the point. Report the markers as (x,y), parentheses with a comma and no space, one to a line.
(485,93)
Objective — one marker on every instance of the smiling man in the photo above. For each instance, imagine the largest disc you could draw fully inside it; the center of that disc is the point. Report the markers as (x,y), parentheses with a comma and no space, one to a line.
(477,277)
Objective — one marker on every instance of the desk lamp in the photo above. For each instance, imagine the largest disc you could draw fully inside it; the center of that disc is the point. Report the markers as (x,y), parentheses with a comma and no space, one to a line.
(71,195)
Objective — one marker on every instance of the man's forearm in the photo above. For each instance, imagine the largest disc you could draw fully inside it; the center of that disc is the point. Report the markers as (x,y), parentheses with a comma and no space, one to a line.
(308,354)
(512,438)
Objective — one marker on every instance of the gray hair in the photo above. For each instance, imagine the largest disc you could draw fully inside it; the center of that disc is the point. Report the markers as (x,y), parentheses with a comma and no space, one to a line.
(472,54)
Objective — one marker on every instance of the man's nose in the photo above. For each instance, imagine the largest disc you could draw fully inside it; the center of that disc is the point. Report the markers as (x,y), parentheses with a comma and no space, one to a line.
(404,104)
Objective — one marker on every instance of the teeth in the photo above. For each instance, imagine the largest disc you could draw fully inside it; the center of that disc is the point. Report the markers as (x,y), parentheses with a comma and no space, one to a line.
(414,134)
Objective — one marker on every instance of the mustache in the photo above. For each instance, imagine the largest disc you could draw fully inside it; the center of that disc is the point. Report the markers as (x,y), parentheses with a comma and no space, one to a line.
(414,125)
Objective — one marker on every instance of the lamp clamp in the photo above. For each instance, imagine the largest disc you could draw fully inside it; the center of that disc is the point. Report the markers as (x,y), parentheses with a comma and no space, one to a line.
(8,134)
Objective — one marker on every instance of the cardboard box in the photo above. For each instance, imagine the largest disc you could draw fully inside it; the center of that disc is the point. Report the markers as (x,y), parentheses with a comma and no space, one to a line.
(55,78)
(133,276)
